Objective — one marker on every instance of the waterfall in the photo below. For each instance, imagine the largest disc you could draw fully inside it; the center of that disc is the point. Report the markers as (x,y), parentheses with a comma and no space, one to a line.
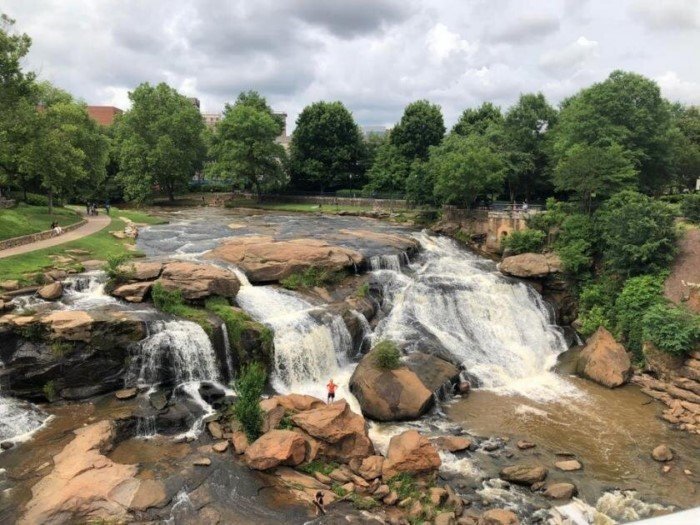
(227,351)
(387,262)
(18,419)
(454,301)
(366,330)
(87,291)
(311,344)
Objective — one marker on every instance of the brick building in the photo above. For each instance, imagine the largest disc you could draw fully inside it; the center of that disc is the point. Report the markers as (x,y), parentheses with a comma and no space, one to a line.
(103,115)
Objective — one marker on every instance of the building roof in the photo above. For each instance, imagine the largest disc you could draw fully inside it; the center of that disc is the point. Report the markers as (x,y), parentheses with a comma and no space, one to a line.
(103,115)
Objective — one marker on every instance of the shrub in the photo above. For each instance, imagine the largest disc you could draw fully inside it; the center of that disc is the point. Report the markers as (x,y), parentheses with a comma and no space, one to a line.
(524,241)
(553,216)
(319,466)
(637,296)
(672,329)
(116,268)
(575,244)
(310,278)
(50,391)
(171,302)
(362,291)
(593,319)
(690,207)
(249,386)
(387,356)
(404,485)
(637,233)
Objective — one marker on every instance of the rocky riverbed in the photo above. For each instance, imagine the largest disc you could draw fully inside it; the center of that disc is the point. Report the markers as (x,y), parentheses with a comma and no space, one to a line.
(484,421)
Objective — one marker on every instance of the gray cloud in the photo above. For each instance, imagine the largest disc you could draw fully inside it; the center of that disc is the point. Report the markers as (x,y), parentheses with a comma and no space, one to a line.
(374,55)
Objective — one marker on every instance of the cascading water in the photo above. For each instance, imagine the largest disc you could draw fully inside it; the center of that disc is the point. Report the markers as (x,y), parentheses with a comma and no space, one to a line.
(311,345)
(18,419)
(502,331)
(87,291)
(387,262)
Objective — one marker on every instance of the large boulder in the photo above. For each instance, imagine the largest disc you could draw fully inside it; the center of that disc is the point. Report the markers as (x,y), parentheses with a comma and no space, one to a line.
(604,360)
(133,292)
(264,259)
(51,292)
(141,270)
(342,434)
(277,447)
(292,402)
(401,394)
(531,265)
(411,453)
(199,281)
(86,486)
(524,473)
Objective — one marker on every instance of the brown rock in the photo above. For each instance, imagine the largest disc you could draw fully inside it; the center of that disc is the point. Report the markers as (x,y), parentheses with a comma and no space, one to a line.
(134,292)
(264,259)
(437,495)
(410,452)
(51,292)
(560,491)
(215,429)
(530,265)
(371,467)
(391,499)
(126,393)
(277,447)
(568,465)
(382,491)
(523,473)
(452,443)
(604,360)
(524,445)
(295,402)
(348,487)
(84,484)
(202,462)
(142,271)
(415,510)
(239,441)
(339,476)
(150,493)
(10,285)
(662,453)
(273,418)
(341,432)
(323,478)
(199,281)
(221,446)
(463,388)
(498,517)
(445,518)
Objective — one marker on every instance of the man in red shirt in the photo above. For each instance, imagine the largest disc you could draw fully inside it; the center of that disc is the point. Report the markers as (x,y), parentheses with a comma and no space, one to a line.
(331,386)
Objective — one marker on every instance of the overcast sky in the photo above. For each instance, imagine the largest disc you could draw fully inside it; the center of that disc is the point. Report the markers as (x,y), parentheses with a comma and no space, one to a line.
(373,55)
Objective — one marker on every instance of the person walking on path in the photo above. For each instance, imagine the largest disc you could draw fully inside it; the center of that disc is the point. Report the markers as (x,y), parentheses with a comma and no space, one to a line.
(331,386)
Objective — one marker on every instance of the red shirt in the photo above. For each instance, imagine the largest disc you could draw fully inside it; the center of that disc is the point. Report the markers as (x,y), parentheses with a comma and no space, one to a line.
(331,387)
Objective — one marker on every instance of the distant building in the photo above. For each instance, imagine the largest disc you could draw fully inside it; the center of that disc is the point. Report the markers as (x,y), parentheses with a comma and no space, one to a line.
(379,131)
(103,115)
(211,119)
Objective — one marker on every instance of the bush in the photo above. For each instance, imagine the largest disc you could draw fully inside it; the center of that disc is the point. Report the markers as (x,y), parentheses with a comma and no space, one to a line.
(596,305)
(593,319)
(249,386)
(524,241)
(171,302)
(575,244)
(553,216)
(637,232)
(637,296)
(672,329)
(116,270)
(387,355)
(690,207)
(310,278)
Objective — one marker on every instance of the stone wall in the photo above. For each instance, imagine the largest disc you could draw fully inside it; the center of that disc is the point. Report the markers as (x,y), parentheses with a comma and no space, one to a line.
(40,236)
(378,204)
(490,227)
(6,203)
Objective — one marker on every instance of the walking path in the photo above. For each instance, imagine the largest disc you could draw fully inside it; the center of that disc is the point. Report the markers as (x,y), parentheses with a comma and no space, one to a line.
(93,225)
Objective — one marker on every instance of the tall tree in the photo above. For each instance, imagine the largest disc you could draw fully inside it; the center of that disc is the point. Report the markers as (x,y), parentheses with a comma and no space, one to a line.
(160,142)
(420,127)
(244,147)
(525,127)
(625,109)
(478,120)
(465,168)
(685,146)
(389,170)
(326,149)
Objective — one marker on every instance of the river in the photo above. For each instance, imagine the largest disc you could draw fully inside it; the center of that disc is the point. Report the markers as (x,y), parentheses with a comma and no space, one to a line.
(446,301)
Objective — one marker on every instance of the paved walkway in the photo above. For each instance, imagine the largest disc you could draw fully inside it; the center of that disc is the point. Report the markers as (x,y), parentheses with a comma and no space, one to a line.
(94,224)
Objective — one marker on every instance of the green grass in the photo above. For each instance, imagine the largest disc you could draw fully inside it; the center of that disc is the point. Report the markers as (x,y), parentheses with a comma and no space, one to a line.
(296,207)
(101,245)
(310,278)
(171,302)
(24,219)
(136,216)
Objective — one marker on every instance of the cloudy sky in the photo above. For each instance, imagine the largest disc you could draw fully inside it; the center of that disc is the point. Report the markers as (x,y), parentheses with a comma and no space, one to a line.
(374,55)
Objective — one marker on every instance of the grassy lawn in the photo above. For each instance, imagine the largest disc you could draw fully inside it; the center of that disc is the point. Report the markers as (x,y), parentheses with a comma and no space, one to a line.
(24,219)
(293,207)
(139,217)
(101,245)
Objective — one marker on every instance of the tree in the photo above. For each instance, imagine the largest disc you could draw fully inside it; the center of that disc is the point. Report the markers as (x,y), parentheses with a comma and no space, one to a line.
(685,146)
(326,148)
(637,233)
(160,142)
(464,168)
(420,127)
(594,171)
(525,128)
(420,183)
(244,146)
(389,170)
(478,120)
(626,109)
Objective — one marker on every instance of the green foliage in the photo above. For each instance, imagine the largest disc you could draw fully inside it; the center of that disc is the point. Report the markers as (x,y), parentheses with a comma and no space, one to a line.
(362,291)
(249,386)
(117,269)
(386,355)
(61,348)
(420,184)
(685,146)
(319,466)
(637,233)
(421,126)
(33,331)
(690,207)
(464,168)
(364,502)
(244,146)
(524,241)
(478,120)
(159,142)
(338,490)
(171,302)
(24,219)
(389,171)
(592,319)
(575,245)
(50,391)
(326,150)
(404,485)
(637,296)
(551,218)
(310,278)
(672,329)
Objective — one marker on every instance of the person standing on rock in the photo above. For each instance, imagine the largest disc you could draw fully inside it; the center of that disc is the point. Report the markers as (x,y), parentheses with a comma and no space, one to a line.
(331,386)
(318,501)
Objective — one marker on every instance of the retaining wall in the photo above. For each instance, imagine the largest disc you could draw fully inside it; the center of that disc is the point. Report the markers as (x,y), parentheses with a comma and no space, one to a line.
(40,236)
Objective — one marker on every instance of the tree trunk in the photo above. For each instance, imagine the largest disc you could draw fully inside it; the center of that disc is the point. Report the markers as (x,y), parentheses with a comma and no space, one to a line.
(171,193)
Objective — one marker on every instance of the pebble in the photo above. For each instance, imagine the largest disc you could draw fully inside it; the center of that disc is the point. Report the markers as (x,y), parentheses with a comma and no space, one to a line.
(221,446)
(202,462)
